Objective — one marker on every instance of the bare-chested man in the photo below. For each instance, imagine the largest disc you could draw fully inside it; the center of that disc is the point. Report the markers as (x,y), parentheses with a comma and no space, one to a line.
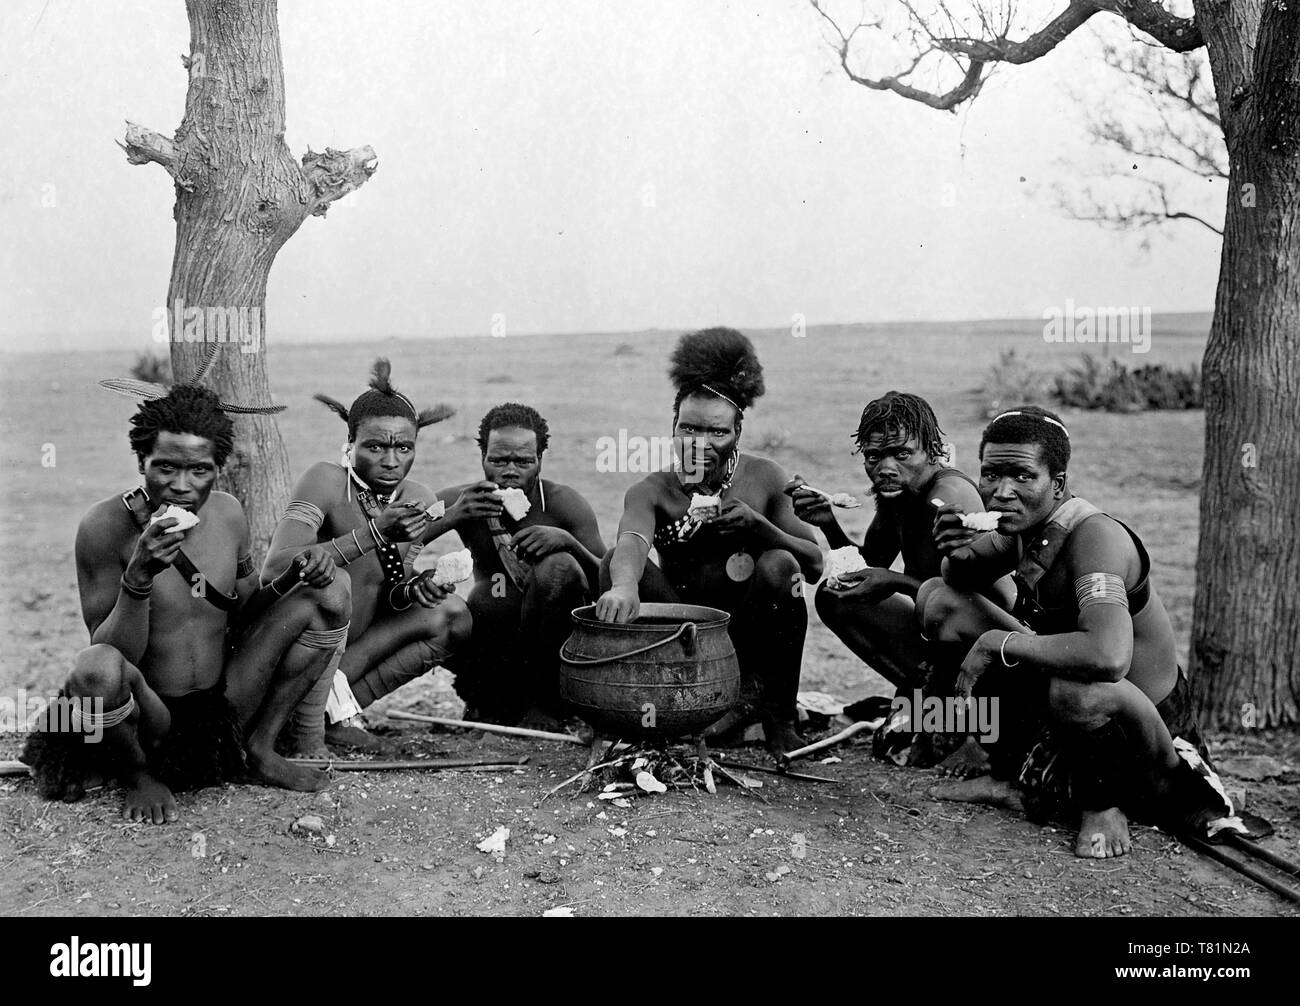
(749,560)
(1088,646)
(874,613)
(197,668)
(366,513)
(529,574)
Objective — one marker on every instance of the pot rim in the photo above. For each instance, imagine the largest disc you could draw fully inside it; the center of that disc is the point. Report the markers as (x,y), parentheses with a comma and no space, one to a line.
(704,617)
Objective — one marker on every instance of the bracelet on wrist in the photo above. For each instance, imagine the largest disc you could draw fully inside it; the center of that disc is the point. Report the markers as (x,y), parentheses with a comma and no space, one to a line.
(1002,650)
(404,589)
(136,592)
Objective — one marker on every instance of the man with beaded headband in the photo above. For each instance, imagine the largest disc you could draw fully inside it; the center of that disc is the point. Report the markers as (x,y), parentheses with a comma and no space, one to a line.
(750,559)
(195,666)
(1095,711)
(367,513)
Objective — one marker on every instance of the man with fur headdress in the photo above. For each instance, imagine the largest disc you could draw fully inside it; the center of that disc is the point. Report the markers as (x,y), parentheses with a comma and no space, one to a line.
(366,513)
(749,559)
(192,668)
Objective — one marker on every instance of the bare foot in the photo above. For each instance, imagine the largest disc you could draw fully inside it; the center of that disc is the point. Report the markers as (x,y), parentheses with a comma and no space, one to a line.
(985,789)
(1103,834)
(967,762)
(310,751)
(344,735)
(276,771)
(148,800)
(781,738)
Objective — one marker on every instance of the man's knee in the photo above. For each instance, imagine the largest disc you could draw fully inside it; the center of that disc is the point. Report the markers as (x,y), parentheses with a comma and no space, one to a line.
(831,607)
(98,670)
(334,600)
(450,620)
(778,570)
(559,574)
(1087,705)
(936,603)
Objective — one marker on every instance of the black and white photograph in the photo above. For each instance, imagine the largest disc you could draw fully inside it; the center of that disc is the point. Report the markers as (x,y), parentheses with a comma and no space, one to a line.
(625,458)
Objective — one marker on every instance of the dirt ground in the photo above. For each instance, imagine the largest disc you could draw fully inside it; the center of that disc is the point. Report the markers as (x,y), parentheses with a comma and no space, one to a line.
(871,843)
(405,843)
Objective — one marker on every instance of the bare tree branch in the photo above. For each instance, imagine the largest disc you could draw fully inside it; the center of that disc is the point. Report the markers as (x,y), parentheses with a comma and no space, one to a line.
(335,173)
(1037,45)
(144,146)
(1177,33)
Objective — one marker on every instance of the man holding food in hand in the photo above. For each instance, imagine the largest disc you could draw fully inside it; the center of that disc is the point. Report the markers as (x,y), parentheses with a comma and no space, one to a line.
(192,668)
(725,535)
(871,607)
(367,513)
(536,548)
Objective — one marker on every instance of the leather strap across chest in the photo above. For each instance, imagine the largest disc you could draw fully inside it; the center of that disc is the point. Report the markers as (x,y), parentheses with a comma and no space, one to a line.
(388,554)
(137,505)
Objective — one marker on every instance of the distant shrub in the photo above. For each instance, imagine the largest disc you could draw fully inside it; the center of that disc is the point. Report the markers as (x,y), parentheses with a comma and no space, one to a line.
(771,440)
(499,379)
(625,349)
(155,369)
(1112,387)
(1010,382)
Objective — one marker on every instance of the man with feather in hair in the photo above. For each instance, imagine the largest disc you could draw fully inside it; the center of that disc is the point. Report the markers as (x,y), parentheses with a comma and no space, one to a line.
(193,666)
(750,559)
(367,513)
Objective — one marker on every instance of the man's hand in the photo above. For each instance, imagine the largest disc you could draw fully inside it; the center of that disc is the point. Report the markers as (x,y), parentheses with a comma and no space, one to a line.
(981,657)
(428,594)
(403,521)
(618,604)
(537,542)
(872,585)
(737,517)
(315,567)
(810,507)
(949,534)
(475,502)
(155,550)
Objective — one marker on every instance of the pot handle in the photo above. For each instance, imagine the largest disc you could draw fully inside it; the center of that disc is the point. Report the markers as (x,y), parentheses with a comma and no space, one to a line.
(686,631)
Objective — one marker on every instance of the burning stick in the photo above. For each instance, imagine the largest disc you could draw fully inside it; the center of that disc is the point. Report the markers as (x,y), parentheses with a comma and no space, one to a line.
(492,728)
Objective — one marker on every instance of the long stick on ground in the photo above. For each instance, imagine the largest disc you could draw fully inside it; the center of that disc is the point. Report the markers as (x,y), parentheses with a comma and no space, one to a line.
(13,768)
(492,728)
(426,764)
(1245,869)
(831,741)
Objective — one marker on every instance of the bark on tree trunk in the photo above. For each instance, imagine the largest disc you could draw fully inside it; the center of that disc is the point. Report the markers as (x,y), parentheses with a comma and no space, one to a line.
(239,196)
(1246,620)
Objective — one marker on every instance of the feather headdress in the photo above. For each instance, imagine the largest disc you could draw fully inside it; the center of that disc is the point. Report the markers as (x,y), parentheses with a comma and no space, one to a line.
(150,391)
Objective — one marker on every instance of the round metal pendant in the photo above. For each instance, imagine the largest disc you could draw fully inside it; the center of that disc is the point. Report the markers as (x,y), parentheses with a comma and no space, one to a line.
(740,567)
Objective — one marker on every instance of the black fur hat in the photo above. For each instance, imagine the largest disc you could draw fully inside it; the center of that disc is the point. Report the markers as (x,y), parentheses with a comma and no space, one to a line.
(720,361)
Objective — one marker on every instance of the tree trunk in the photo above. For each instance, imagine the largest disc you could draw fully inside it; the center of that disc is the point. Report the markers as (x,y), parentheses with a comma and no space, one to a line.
(239,196)
(1246,620)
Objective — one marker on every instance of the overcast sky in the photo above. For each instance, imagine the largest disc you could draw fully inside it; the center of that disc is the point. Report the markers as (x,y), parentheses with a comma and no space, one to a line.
(572,165)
